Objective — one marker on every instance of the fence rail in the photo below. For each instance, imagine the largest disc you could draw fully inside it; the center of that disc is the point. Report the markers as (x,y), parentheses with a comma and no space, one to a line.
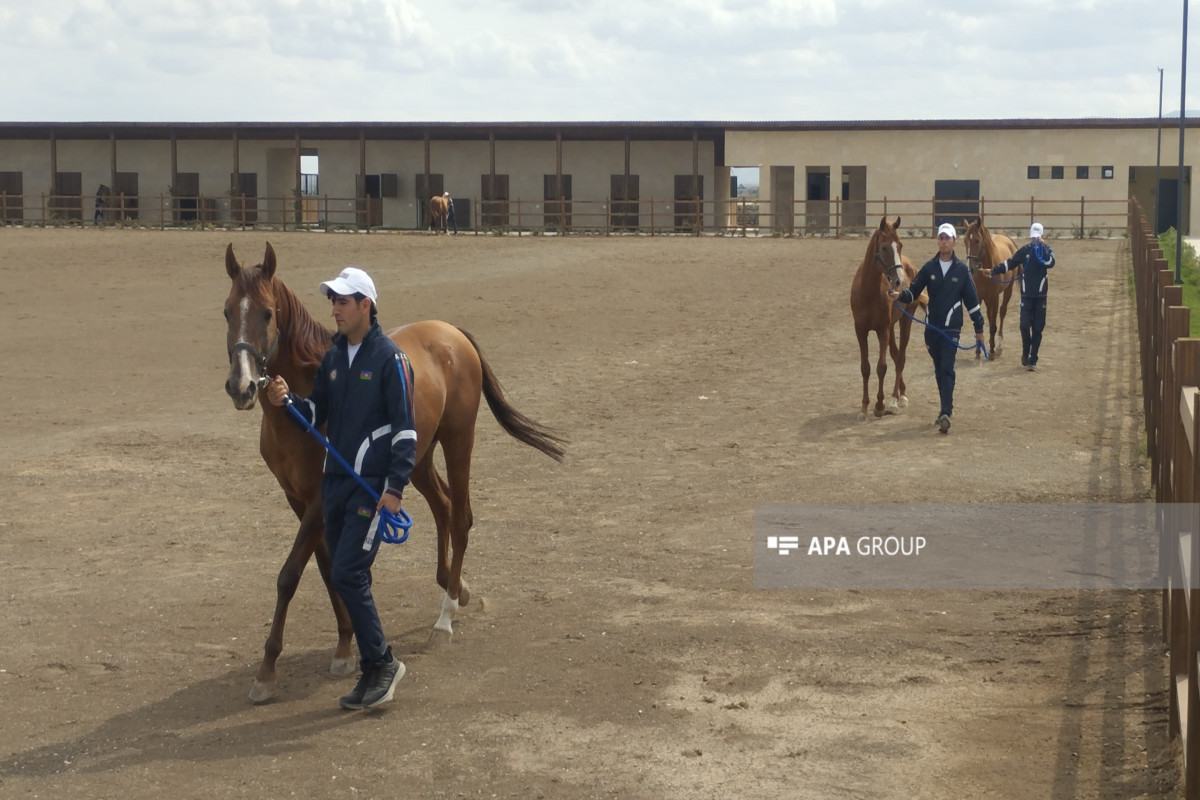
(740,216)
(1170,364)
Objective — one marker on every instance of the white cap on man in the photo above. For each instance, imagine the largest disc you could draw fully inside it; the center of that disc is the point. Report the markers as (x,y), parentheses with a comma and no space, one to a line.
(350,281)
(1035,230)
(948,230)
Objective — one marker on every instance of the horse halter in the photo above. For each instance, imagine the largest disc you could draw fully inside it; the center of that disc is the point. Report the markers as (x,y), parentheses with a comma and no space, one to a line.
(886,266)
(260,359)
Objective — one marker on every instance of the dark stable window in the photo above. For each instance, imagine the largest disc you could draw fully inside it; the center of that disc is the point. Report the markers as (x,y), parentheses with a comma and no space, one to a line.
(1033,173)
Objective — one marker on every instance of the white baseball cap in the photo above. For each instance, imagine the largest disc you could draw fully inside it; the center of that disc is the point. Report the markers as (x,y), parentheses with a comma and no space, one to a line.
(947,229)
(351,280)
(1035,230)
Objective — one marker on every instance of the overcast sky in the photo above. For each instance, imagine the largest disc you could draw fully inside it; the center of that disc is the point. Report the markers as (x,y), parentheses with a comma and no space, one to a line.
(601,60)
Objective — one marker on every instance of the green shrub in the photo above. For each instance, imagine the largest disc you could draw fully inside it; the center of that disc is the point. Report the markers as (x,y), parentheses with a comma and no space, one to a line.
(1189,275)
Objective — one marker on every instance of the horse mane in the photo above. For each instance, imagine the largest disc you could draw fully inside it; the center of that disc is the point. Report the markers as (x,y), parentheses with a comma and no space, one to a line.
(301,337)
(305,338)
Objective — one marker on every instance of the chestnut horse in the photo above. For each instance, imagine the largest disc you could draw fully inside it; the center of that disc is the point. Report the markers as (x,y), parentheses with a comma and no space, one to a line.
(439,209)
(883,268)
(985,250)
(271,333)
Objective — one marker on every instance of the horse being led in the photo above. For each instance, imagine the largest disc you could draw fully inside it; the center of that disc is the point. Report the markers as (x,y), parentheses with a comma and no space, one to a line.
(439,209)
(983,251)
(882,268)
(271,333)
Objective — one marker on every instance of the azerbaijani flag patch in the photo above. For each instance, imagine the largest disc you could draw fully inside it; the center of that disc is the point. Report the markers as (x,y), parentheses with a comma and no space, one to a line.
(364,375)
(363,511)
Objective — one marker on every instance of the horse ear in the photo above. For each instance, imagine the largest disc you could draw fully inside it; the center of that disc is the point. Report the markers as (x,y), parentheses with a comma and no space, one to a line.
(897,225)
(268,265)
(231,264)
(883,225)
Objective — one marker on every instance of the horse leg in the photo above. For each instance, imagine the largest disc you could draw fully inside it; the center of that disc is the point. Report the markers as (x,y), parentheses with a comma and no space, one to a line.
(345,660)
(881,366)
(308,538)
(1003,311)
(899,357)
(429,483)
(457,451)
(865,365)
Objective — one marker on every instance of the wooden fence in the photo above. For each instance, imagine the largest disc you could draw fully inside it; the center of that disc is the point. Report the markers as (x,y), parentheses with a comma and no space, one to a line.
(1170,363)
(653,216)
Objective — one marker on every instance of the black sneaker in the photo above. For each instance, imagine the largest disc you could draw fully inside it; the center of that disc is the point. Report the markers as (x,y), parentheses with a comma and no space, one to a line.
(354,700)
(943,423)
(1024,360)
(385,674)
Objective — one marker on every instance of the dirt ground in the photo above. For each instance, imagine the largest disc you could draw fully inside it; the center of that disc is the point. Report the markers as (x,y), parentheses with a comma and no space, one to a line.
(622,651)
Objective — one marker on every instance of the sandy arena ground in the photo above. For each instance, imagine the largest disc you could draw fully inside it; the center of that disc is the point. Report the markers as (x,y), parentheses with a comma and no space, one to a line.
(622,651)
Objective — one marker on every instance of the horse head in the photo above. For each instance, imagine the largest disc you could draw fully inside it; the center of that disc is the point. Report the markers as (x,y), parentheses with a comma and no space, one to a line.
(252,334)
(976,240)
(885,250)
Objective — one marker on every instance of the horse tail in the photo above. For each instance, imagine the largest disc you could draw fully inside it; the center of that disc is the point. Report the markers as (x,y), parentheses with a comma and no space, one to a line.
(519,426)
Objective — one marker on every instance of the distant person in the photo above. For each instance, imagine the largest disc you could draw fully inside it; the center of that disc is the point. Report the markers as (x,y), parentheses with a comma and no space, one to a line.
(1036,258)
(948,281)
(450,212)
(99,205)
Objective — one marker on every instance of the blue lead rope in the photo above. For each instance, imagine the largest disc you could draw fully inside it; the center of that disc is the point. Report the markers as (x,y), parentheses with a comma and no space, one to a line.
(392,528)
(949,338)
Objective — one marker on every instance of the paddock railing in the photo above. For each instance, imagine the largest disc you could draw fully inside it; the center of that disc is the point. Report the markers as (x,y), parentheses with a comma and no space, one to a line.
(1170,363)
(741,216)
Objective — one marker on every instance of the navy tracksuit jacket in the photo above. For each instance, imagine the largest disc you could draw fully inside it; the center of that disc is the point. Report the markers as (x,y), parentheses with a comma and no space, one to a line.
(949,295)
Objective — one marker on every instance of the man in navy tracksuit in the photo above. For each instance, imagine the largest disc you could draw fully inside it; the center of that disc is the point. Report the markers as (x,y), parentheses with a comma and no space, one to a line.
(363,392)
(950,288)
(1036,258)
(449,213)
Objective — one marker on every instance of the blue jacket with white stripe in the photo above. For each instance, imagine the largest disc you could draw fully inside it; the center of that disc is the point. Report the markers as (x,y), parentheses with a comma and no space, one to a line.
(1036,258)
(949,294)
(368,406)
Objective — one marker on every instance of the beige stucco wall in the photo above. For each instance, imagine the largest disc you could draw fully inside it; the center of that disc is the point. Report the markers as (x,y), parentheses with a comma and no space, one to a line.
(903,165)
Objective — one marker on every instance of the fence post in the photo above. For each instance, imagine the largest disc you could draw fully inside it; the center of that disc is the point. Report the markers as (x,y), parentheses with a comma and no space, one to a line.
(1031,214)
(837,217)
(1081,202)
(652,216)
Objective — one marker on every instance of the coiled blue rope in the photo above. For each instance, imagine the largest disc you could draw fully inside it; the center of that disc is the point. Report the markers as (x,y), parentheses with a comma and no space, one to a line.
(977,346)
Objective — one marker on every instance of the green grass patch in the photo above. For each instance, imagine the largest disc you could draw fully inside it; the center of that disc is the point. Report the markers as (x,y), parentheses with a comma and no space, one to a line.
(1189,275)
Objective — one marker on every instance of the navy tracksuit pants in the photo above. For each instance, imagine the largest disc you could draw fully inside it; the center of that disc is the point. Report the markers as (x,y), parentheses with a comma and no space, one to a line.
(349,512)
(943,349)
(1033,320)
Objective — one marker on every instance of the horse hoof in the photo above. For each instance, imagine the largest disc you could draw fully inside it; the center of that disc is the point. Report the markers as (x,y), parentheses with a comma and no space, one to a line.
(439,638)
(343,667)
(878,412)
(862,415)
(464,595)
(902,402)
(261,692)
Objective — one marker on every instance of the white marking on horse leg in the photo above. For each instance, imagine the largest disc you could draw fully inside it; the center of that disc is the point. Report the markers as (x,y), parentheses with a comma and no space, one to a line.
(342,667)
(262,691)
(903,402)
(445,620)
